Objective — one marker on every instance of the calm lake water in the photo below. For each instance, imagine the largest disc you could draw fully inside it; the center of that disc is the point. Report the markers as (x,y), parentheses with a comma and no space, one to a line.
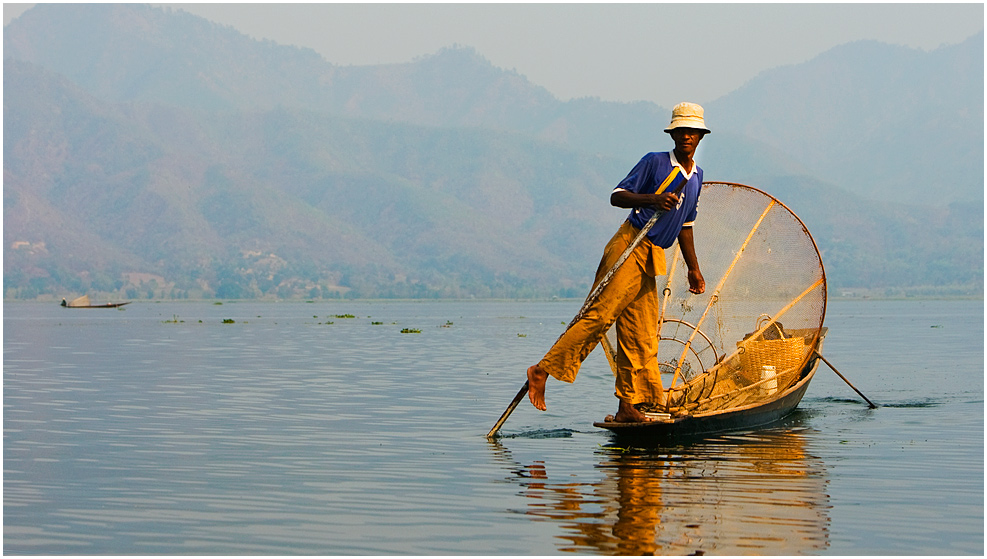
(164,428)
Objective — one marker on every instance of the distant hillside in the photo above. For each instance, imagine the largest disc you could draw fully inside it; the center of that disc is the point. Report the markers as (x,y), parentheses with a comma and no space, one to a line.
(131,53)
(888,122)
(150,153)
(862,112)
(199,198)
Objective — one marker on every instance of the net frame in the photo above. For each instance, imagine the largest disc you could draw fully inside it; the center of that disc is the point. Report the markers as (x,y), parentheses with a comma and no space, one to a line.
(766,267)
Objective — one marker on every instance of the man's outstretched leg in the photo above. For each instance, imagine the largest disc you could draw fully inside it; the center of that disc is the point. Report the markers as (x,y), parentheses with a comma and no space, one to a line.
(536,386)
(563,360)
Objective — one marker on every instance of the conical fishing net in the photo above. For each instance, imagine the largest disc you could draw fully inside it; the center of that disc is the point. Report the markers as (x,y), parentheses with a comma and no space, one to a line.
(80,302)
(749,337)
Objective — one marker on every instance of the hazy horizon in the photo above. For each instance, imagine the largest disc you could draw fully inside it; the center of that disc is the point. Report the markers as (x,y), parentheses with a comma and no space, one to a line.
(596,50)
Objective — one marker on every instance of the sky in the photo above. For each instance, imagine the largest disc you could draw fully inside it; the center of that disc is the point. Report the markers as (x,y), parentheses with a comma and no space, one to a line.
(663,53)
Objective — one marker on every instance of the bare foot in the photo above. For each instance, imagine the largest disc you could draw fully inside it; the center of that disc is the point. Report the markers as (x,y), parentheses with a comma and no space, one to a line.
(626,413)
(536,387)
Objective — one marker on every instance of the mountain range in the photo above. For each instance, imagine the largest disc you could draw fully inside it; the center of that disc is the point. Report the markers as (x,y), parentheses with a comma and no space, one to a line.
(152,153)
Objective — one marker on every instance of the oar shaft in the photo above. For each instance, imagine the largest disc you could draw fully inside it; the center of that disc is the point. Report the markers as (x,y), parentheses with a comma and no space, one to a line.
(517,400)
(595,293)
(826,361)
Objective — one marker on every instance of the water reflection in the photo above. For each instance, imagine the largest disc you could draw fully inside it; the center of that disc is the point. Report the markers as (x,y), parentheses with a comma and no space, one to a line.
(759,493)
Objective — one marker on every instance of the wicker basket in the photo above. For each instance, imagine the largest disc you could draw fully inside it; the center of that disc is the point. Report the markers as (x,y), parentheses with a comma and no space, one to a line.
(784,354)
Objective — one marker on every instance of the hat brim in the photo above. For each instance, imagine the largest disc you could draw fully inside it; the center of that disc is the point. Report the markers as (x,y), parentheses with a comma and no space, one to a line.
(693,125)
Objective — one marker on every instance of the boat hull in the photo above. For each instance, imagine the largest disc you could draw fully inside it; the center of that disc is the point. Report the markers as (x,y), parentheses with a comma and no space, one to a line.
(722,421)
(103,306)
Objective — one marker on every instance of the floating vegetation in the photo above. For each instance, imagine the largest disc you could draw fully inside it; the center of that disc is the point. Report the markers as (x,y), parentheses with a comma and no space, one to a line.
(520,335)
(174,320)
(411,331)
(448,324)
(375,323)
(343,316)
(218,303)
(229,321)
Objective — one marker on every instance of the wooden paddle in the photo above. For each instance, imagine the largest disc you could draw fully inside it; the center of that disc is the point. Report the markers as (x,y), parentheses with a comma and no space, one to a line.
(510,409)
(595,293)
(826,361)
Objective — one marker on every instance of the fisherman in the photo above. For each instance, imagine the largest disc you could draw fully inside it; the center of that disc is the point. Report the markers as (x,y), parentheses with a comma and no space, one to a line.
(630,299)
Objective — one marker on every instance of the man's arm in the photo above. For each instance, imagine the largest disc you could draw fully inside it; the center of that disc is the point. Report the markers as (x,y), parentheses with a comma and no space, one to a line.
(627,199)
(696,282)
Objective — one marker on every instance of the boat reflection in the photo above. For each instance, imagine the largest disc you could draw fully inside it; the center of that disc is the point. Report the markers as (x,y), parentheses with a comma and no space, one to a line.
(757,493)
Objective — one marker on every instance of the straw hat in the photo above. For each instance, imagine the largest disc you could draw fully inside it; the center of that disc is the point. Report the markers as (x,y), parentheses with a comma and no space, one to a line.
(687,115)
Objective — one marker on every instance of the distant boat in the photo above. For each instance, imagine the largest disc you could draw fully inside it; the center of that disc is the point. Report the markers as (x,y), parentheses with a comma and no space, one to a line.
(83,303)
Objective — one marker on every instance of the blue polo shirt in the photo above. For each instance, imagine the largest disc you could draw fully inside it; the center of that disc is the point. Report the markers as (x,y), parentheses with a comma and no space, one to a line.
(646,177)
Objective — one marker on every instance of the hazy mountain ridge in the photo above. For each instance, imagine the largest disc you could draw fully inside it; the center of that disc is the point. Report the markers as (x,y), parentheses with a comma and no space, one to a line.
(133,53)
(454,87)
(864,108)
(876,116)
(255,200)
(353,200)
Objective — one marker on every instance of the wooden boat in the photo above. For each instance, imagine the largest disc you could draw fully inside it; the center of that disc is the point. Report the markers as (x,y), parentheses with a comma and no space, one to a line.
(83,303)
(725,361)
(696,425)
(739,366)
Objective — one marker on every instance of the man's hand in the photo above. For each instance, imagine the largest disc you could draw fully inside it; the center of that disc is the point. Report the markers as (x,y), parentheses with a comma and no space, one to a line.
(696,282)
(665,201)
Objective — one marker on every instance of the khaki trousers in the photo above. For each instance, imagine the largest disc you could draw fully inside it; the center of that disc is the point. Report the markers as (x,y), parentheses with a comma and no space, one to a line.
(629,300)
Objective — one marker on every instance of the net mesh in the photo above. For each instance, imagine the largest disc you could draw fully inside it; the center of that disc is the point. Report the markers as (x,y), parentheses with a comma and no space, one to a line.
(750,335)
(80,302)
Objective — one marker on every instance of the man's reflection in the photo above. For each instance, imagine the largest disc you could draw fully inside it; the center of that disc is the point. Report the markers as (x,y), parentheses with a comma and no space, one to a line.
(753,494)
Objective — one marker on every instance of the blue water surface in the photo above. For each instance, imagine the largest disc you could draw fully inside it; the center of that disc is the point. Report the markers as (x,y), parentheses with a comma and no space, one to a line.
(359,428)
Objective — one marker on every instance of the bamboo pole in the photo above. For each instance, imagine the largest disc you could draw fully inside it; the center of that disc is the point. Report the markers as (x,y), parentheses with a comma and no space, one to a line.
(666,295)
(595,293)
(826,361)
(667,292)
(510,409)
(777,316)
(719,287)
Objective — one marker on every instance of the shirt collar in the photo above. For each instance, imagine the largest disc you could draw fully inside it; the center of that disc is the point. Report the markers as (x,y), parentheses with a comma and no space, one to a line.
(671,155)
